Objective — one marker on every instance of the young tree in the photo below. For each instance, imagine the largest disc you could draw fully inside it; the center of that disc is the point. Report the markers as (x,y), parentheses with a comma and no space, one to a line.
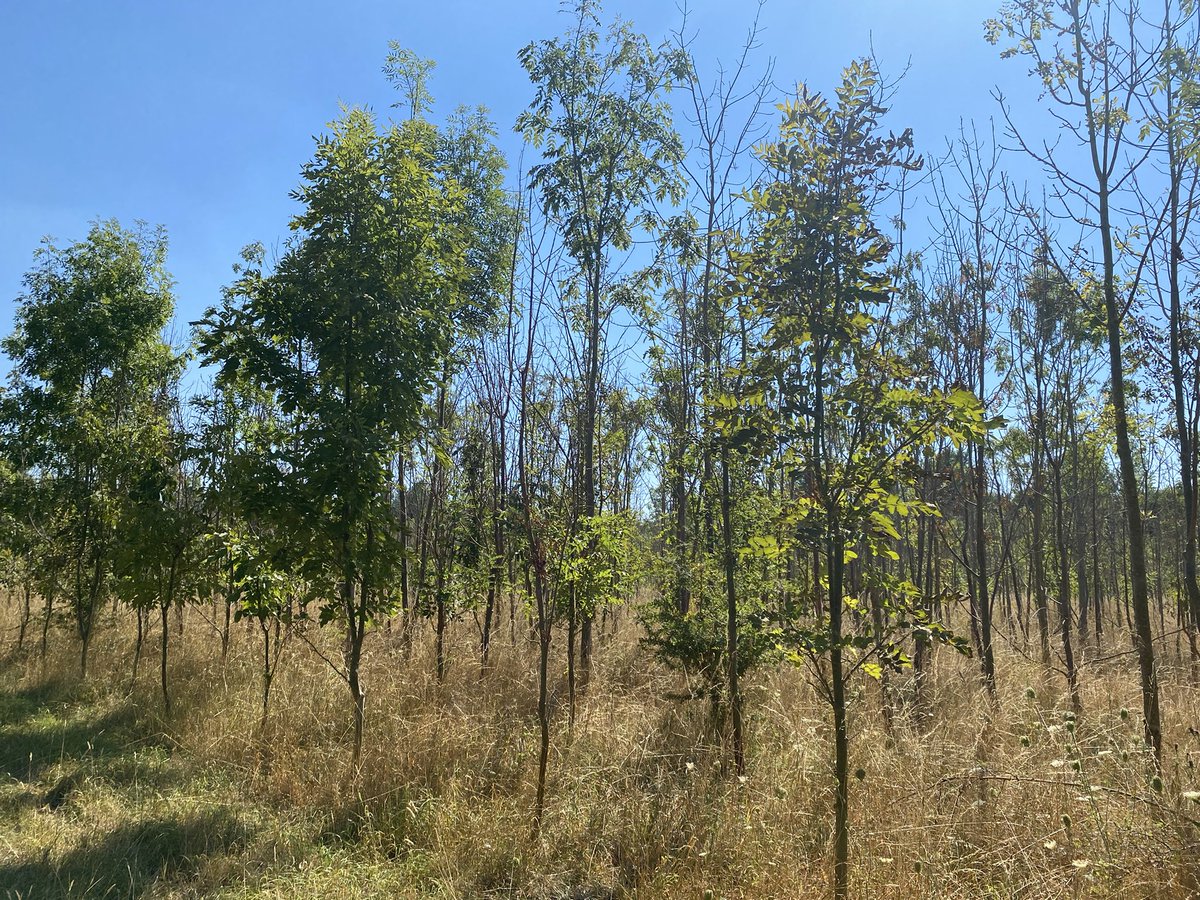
(1054,343)
(470,159)
(696,623)
(253,562)
(1173,118)
(346,335)
(975,236)
(264,589)
(610,152)
(88,362)
(159,526)
(835,407)
(1090,60)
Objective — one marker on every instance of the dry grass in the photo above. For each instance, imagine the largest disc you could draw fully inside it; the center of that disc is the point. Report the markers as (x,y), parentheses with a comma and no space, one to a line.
(1019,804)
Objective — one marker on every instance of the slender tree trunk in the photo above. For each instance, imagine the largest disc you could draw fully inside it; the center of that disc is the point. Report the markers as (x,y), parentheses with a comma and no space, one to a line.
(354,610)
(923,578)
(439,595)
(841,742)
(1125,585)
(572,673)
(987,658)
(270,629)
(489,609)
(46,618)
(538,578)
(1080,538)
(588,463)
(544,634)
(1037,570)
(164,609)
(731,621)
(1097,582)
(86,615)
(26,593)
(406,613)
(137,646)
(225,628)
(1064,592)
(357,697)
(1143,636)
(683,594)
(496,567)
(1184,430)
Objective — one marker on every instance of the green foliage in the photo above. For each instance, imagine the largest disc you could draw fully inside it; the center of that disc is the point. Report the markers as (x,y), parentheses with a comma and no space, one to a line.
(87,395)
(264,587)
(161,519)
(604,130)
(695,641)
(483,218)
(604,559)
(347,335)
(610,153)
(409,74)
(843,418)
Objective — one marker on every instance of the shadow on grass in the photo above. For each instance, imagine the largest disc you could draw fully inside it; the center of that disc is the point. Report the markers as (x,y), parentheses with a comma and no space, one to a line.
(53,735)
(48,692)
(126,862)
(38,730)
(58,737)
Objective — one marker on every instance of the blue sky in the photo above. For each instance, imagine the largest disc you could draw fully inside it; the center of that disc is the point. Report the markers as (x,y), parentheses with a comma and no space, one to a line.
(198,115)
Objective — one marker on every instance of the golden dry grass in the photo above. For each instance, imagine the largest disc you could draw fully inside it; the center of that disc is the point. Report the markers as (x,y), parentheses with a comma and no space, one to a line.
(1019,803)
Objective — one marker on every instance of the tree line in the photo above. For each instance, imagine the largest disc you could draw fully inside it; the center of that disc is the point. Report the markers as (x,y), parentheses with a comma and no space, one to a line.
(822,445)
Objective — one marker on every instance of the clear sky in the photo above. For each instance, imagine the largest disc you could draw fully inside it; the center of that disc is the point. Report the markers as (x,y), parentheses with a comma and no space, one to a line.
(197,114)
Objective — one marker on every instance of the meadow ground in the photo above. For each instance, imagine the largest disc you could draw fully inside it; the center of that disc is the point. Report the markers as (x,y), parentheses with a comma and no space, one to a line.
(104,795)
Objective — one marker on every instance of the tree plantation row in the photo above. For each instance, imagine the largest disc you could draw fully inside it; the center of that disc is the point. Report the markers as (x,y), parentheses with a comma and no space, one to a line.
(758,371)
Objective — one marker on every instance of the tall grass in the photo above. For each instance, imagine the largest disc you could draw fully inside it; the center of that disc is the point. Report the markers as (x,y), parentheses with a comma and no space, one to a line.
(1022,802)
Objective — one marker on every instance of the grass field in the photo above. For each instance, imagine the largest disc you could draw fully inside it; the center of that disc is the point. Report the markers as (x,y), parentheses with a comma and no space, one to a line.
(104,796)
